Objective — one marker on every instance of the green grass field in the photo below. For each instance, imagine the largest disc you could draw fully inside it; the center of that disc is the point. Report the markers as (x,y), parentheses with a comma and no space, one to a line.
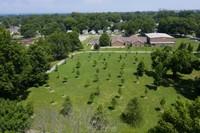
(42,97)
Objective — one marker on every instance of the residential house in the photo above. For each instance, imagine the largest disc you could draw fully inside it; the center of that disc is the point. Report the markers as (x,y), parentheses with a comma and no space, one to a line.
(85,32)
(100,32)
(92,32)
(116,32)
(69,31)
(109,32)
(27,41)
(14,30)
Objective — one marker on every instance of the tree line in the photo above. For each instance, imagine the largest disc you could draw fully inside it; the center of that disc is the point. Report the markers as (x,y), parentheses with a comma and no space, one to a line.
(20,68)
(24,67)
(182,22)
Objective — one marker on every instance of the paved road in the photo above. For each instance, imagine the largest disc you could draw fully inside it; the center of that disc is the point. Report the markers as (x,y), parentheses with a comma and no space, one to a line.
(123,52)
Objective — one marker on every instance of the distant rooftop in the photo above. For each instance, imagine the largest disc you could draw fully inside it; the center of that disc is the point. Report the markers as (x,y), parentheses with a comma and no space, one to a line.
(158,35)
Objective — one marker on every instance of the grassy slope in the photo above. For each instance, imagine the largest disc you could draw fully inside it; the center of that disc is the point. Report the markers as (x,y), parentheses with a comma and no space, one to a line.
(41,97)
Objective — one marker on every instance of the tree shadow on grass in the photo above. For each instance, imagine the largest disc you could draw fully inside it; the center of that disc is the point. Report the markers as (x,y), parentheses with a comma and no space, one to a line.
(111,108)
(25,95)
(150,73)
(187,88)
(151,87)
(157,109)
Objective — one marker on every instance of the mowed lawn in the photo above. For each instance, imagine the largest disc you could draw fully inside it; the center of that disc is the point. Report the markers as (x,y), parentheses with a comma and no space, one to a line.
(75,88)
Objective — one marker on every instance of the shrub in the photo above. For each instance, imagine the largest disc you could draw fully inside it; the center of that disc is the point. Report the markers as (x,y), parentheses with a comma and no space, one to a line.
(133,114)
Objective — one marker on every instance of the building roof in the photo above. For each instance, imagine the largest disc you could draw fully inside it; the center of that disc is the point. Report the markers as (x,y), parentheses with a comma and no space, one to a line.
(158,35)
(131,39)
(94,41)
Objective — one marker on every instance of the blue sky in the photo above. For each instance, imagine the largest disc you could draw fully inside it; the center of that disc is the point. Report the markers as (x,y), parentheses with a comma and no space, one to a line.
(68,6)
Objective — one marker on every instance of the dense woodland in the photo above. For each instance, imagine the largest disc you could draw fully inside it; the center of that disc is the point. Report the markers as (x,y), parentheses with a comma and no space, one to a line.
(171,22)
(24,67)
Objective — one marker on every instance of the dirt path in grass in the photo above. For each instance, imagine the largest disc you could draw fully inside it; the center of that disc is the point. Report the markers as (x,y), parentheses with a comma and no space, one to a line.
(123,52)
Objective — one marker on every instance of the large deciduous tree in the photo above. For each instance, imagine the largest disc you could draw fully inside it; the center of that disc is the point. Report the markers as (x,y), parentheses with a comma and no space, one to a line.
(15,117)
(177,25)
(104,40)
(39,62)
(147,26)
(183,117)
(20,68)
(181,60)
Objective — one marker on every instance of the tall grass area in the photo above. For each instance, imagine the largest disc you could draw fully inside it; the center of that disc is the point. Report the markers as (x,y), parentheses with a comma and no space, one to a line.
(52,96)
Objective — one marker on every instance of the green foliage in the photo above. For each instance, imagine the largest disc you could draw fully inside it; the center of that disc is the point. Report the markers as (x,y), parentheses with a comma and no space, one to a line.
(39,61)
(162,102)
(97,91)
(69,23)
(56,69)
(20,67)
(78,64)
(185,61)
(177,25)
(105,65)
(113,103)
(104,40)
(87,83)
(146,91)
(122,80)
(159,74)
(141,69)
(77,73)
(92,96)
(136,59)
(190,48)
(29,29)
(121,72)
(67,108)
(198,49)
(182,46)
(120,91)
(163,60)
(133,114)
(97,71)
(60,44)
(74,41)
(147,26)
(96,47)
(65,79)
(95,63)
(15,117)
(181,118)
(4,35)
(99,121)
(131,27)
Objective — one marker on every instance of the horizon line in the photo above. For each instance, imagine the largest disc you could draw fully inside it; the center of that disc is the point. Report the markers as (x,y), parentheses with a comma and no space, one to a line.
(51,13)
